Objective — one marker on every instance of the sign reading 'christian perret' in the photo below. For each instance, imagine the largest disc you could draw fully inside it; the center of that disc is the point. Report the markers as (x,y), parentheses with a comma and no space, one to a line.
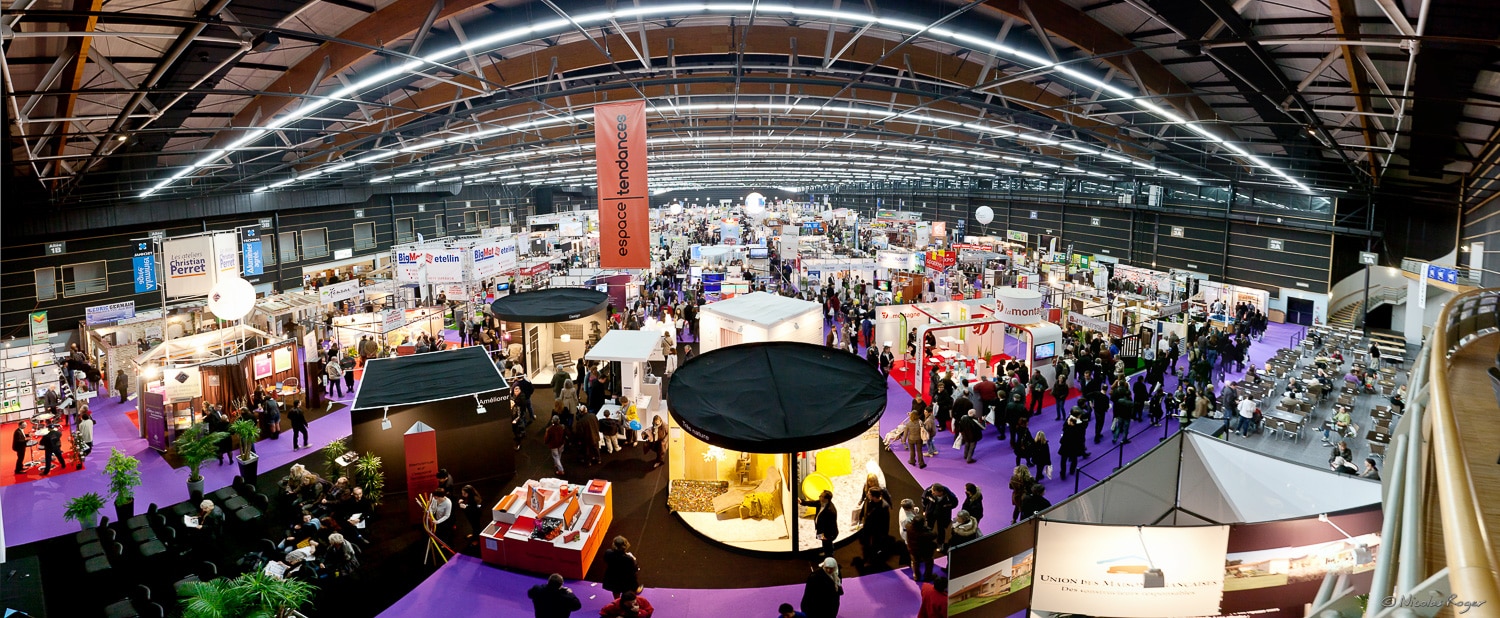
(620,157)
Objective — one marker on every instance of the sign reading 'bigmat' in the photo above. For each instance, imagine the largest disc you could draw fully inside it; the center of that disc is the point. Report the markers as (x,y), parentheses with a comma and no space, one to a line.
(624,209)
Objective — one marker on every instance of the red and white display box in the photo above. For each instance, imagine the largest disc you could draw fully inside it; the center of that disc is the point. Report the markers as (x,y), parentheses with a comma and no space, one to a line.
(507,541)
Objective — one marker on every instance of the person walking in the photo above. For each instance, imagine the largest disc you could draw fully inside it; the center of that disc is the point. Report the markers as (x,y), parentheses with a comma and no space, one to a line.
(85,433)
(1038,392)
(973,501)
(1020,483)
(298,419)
(914,434)
(621,571)
(555,437)
(1034,502)
(335,374)
(1073,444)
(122,384)
(874,517)
(1041,455)
(553,599)
(1060,392)
(970,430)
(920,545)
(821,592)
(938,503)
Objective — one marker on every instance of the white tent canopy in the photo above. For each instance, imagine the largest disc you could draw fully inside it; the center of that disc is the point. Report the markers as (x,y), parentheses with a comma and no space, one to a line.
(1193,479)
(761,308)
(205,347)
(627,346)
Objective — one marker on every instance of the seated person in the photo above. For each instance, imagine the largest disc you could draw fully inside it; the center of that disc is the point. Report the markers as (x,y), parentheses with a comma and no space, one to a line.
(1370,471)
(298,565)
(354,511)
(335,495)
(311,492)
(300,532)
(1342,452)
(1342,466)
(339,558)
(1341,422)
(210,519)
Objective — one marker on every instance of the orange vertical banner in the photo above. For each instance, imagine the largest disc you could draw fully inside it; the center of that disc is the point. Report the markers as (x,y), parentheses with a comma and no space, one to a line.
(624,199)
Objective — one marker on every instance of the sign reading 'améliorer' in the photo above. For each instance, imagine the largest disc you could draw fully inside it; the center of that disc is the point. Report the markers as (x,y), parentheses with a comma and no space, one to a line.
(624,213)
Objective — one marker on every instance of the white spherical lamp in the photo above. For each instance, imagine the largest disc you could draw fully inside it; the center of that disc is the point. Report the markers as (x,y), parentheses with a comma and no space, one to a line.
(231,299)
(984,215)
(676,209)
(755,203)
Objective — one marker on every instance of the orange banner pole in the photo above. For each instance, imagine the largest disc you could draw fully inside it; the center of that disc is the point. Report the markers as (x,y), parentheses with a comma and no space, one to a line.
(624,199)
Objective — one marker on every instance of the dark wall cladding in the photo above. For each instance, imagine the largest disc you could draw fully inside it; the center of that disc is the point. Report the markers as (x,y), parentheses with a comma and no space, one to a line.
(1211,244)
(18,292)
(1483,225)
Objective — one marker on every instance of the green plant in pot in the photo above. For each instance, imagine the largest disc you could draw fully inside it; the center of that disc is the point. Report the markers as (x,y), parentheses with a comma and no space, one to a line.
(331,455)
(252,594)
(196,445)
(124,474)
(248,432)
(370,475)
(84,509)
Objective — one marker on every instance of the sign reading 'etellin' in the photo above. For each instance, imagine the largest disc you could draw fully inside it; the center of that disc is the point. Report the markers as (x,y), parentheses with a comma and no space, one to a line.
(620,157)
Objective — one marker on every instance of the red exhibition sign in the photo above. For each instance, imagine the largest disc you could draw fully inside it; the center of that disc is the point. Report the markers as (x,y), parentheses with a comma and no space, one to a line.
(620,158)
(421,465)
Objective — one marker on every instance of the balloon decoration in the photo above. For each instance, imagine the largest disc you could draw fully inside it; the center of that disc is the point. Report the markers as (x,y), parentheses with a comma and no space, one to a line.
(231,299)
(755,203)
(984,215)
(676,209)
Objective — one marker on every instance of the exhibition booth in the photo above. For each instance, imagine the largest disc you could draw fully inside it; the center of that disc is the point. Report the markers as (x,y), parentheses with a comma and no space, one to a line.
(756,317)
(456,399)
(755,430)
(633,351)
(557,327)
(1195,527)
(177,378)
(970,337)
(391,327)
(549,526)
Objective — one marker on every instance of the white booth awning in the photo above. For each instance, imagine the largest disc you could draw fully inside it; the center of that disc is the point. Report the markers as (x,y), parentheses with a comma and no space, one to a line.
(629,346)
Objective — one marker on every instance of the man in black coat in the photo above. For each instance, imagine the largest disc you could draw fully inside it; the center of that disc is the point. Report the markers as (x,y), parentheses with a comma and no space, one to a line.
(52,447)
(18,444)
(826,521)
(553,599)
(298,419)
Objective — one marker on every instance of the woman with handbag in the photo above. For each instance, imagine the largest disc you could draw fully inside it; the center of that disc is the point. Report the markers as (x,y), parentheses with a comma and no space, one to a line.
(1041,455)
(915,436)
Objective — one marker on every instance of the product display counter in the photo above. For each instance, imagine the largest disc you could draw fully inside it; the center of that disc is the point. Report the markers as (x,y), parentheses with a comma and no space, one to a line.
(577,515)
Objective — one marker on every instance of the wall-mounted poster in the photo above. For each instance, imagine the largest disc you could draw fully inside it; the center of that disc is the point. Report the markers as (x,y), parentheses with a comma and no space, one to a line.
(991,577)
(1129,571)
(263,366)
(1281,564)
(281,359)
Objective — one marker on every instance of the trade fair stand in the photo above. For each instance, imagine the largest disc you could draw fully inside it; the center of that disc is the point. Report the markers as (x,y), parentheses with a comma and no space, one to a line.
(741,463)
(632,352)
(557,325)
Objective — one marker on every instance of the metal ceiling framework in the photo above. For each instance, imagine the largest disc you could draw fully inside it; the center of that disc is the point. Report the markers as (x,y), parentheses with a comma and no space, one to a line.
(155,99)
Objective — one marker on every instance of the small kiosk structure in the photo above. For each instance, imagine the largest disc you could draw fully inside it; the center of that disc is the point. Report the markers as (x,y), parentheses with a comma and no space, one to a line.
(557,325)
(756,317)
(634,350)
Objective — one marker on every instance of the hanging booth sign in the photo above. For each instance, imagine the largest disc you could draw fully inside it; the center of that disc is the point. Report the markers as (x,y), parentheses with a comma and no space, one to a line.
(144,267)
(38,323)
(624,203)
(409,266)
(941,260)
(226,256)
(335,292)
(255,264)
(1094,324)
(1015,236)
(190,266)
(1018,306)
(487,259)
(99,314)
(445,266)
(183,383)
(895,260)
(392,319)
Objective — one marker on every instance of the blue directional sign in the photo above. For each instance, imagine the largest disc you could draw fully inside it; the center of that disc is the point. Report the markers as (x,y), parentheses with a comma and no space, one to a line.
(1439,273)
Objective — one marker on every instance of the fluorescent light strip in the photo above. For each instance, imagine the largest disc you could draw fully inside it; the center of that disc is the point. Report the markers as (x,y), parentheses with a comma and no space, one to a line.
(604,17)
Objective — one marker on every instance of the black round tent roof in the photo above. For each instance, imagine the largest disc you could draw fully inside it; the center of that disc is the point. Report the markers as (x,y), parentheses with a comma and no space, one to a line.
(776,397)
(549,305)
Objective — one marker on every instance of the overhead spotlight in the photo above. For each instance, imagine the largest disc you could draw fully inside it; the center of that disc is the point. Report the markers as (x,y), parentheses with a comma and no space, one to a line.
(478,406)
(120,138)
(385,421)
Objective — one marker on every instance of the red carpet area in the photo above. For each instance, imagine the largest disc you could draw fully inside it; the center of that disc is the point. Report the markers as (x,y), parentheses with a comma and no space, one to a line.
(8,474)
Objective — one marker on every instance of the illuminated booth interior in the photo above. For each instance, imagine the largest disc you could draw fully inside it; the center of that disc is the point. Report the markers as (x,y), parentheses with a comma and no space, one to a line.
(755,427)
(558,327)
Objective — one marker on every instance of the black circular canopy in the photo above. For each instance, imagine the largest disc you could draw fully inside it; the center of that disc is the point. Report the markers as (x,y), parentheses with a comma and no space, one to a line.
(549,305)
(776,397)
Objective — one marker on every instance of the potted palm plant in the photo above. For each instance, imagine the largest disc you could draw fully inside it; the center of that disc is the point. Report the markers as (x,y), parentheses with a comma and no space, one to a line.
(251,594)
(248,433)
(370,475)
(196,445)
(84,509)
(331,455)
(124,474)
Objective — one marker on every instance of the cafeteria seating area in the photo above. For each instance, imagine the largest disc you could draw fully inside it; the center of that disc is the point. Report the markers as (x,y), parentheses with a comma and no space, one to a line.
(1294,430)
